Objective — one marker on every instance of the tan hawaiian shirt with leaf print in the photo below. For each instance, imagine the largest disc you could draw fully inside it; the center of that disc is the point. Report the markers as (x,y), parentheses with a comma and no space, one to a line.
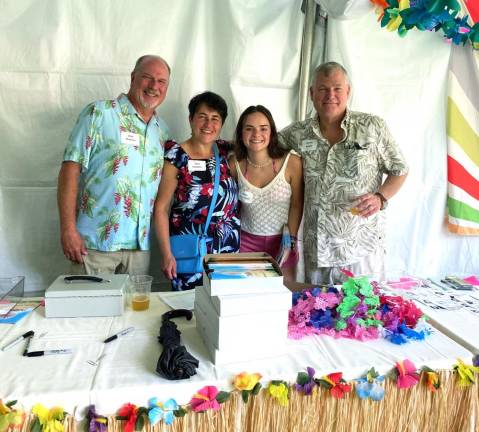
(333,176)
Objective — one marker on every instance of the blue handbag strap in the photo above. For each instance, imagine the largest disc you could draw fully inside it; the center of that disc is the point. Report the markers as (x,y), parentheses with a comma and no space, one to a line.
(215,188)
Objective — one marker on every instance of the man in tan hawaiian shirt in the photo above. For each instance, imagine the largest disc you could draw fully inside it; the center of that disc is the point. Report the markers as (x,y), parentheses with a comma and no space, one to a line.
(345,155)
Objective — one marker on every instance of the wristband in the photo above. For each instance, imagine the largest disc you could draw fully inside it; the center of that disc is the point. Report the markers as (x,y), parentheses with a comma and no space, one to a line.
(293,242)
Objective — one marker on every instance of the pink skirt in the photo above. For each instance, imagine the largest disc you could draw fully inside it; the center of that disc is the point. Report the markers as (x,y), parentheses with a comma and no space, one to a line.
(270,244)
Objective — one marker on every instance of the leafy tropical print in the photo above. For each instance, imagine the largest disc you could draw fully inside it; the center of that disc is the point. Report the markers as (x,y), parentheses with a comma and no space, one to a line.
(118,181)
(112,164)
(126,194)
(87,202)
(112,222)
(333,176)
(191,204)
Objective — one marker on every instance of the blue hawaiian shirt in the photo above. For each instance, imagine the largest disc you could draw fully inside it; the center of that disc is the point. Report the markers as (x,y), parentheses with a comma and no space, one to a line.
(121,160)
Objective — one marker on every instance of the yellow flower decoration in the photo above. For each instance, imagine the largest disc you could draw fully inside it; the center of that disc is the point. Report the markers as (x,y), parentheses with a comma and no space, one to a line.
(3,408)
(41,412)
(245,381)
(280,392)
(465,372)
(10,418)
(394,23)
(50,420)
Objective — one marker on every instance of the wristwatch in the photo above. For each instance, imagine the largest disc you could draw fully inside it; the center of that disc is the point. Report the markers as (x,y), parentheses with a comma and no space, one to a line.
(384,201)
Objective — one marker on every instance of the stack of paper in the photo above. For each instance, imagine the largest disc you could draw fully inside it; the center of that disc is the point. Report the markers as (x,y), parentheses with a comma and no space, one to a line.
(246,274)
(242,309)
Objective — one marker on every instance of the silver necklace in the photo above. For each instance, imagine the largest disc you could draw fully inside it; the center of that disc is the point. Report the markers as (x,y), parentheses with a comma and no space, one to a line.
(259,166)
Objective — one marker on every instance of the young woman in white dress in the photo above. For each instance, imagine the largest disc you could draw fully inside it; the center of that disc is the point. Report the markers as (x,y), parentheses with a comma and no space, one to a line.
(270,181)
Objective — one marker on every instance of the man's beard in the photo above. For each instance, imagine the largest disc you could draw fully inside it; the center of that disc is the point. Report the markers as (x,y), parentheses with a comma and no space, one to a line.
(145,104)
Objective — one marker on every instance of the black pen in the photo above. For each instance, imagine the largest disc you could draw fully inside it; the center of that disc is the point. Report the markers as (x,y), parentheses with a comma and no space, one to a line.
(27,345)
(117,335)
(48,352)
(18,339)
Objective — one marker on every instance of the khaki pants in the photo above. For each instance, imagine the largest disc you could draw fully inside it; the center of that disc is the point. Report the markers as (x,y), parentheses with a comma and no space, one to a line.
(371,266)
(123,261)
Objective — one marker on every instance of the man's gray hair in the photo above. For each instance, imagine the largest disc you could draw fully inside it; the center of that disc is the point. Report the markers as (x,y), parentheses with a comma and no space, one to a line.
(327,68)
(147,57)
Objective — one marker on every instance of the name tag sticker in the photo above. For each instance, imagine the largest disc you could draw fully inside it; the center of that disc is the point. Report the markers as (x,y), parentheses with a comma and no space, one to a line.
(309,145)
(130,138)
(196,165)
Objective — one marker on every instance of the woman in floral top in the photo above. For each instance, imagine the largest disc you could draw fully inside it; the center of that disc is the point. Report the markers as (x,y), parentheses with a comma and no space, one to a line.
(188,180)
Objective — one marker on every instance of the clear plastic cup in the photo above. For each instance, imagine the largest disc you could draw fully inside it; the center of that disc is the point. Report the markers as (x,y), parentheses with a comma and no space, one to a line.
(140,292)
(351,201)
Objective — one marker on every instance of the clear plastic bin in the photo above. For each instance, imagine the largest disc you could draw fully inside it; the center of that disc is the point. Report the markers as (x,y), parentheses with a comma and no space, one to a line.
(12,289)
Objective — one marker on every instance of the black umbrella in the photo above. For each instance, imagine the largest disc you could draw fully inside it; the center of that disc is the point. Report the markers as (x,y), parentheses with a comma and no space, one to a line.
(175,362)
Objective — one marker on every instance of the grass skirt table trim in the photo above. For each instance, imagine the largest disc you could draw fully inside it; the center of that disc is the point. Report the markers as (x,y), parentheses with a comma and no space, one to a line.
(451,408)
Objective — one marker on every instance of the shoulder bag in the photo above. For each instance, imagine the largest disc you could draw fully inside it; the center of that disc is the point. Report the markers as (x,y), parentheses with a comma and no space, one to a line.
(190,249)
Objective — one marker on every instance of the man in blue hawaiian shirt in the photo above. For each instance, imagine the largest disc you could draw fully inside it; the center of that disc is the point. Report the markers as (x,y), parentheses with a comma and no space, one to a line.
(110,174)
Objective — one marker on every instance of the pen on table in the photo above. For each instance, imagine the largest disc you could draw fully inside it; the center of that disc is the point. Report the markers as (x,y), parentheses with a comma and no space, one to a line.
(437,284)
(18,339)
(119,334)
(27,345)
(48,352)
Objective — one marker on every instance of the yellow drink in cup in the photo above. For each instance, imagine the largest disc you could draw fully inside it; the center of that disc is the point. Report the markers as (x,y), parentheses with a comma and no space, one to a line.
(140,292)
(140,302)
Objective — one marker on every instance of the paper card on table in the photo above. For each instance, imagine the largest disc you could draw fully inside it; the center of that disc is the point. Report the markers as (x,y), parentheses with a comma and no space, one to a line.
(179,299)
(404,282)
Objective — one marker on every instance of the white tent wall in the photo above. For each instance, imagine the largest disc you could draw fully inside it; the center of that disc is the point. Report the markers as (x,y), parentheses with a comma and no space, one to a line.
(59,55)
(404,81)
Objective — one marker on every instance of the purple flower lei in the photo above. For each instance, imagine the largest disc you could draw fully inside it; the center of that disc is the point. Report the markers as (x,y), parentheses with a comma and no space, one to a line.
(354,313)
(312,311)
(96,422)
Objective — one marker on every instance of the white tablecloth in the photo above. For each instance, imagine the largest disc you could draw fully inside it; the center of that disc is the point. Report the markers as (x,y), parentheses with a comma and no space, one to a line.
(461,326)
(461,323)
(126,372)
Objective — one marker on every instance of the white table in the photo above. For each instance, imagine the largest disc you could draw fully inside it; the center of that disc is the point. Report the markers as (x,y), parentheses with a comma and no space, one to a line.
(126,369)
(460,324)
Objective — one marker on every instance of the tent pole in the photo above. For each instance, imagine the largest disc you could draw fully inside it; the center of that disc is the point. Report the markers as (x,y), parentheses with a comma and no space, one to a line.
(306,52)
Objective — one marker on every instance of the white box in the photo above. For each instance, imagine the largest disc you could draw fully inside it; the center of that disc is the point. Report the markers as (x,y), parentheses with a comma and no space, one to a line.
(247,285)
(237,304)
(86,298)
(242,353)
(253,330)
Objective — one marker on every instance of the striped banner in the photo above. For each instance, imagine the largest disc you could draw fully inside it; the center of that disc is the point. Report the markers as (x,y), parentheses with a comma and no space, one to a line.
(463,134)
(463,141)
(471,8)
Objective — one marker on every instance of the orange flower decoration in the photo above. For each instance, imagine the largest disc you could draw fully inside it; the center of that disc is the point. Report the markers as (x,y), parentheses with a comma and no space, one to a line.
(432,381)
